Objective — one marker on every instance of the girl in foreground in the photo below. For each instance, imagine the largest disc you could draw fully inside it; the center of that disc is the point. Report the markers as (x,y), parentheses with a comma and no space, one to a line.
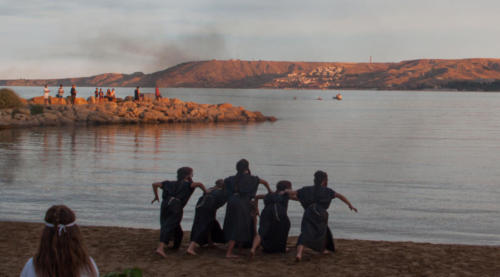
(239,222)
(174,197)
(274,222)
(206,229)
(316,199)
(61,251)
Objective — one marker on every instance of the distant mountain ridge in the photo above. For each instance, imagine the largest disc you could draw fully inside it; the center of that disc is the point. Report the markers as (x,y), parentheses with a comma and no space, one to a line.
(460,74)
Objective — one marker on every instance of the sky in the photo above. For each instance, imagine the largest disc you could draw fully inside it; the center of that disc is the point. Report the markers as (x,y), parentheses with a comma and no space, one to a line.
(64,38)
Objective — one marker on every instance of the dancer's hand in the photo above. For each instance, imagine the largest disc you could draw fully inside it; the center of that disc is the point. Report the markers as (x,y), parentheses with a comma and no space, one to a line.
(156,199)
(352,208)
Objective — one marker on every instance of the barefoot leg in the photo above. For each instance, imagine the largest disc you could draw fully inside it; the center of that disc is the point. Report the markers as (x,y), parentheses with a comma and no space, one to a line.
(191,248)
(230,247)
(160,250)
(300,249)
(256,243)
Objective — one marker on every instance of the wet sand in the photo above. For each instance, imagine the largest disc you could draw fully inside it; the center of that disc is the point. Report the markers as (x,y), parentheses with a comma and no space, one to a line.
(115,249)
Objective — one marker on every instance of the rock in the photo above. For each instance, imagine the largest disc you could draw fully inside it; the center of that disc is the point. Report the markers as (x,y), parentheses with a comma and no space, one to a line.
(81,113)
(80,101)
(175,101)
(99,118)
(129,98)
(24,111)
(224,106)
(57,101)
(110,106)
(39,100)
(165,110)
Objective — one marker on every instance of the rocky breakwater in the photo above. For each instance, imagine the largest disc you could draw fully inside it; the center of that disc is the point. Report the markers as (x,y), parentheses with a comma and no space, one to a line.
(126,112)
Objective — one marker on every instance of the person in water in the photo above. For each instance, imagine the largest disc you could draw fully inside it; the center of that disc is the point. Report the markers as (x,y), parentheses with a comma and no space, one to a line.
(274,222)
(61,251)
(239,222)
(206,229)
(174,197)
(315,200)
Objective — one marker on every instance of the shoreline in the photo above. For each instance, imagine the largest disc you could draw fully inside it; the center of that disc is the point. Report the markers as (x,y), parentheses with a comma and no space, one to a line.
(118,248)
(88,112)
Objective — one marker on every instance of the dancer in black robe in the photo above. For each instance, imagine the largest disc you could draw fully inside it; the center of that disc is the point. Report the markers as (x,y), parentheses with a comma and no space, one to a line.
(274,222)
(206,229)
(316,200)
(239,220)
(174,197)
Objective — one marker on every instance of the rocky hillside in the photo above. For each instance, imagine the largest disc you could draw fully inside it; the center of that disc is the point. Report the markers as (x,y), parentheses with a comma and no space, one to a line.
(465,74)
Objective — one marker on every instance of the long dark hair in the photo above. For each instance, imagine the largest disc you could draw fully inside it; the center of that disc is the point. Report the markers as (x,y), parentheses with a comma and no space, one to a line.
(182,173)
(242,167)
(62,253)
(319,178)
(283,185)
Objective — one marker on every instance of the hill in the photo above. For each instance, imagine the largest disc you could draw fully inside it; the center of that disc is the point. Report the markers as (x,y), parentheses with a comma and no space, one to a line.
(463,74)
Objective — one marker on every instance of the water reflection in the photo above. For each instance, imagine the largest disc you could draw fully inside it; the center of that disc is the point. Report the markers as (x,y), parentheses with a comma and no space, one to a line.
(11,158)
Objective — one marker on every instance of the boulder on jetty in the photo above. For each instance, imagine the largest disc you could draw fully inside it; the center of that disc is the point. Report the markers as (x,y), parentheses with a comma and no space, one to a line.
(166,110)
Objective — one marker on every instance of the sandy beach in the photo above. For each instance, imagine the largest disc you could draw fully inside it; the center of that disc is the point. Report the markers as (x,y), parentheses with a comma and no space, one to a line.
(115,248)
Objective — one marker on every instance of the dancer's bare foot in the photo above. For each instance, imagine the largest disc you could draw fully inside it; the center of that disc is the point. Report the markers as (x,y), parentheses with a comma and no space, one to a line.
(161,252)
(298,259)
(252,254)
(326,252)
(191,252)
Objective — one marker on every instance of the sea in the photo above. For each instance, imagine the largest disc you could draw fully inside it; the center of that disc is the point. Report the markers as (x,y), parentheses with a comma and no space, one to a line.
(420,166)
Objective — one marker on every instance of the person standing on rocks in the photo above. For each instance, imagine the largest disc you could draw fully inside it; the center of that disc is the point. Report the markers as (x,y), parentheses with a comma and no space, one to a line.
(46,91)
(96,94)
(73,94)
(101,95)
(157,94)
(112,97)
(137,94)
(60,92)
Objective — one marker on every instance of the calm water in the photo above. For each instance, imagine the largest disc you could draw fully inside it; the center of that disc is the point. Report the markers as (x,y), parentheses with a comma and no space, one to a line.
(420,166)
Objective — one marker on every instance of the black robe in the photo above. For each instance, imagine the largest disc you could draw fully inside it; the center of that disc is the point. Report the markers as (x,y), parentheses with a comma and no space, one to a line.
(174,197)
(274,223)
(239,221)
(314,232)
(205,223)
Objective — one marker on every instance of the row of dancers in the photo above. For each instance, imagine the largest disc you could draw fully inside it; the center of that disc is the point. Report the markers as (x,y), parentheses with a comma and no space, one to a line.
(239,193)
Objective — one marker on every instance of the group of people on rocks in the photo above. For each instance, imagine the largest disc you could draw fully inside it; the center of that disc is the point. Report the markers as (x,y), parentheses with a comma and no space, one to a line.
(60,94)
(138,96)
(100,97)
(99,94)
(239,193)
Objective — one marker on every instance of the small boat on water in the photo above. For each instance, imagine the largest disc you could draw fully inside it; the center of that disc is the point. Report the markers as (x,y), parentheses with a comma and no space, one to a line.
(338,97)
(319,98)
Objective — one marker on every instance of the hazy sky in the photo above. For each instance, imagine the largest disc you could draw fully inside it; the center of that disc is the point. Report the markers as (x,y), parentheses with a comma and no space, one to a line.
(63,38)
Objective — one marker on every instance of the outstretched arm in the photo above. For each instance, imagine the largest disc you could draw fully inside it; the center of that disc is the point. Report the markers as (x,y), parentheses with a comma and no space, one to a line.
(266,184)
(346,201)
(199,185)
(155,191)
(292,194)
